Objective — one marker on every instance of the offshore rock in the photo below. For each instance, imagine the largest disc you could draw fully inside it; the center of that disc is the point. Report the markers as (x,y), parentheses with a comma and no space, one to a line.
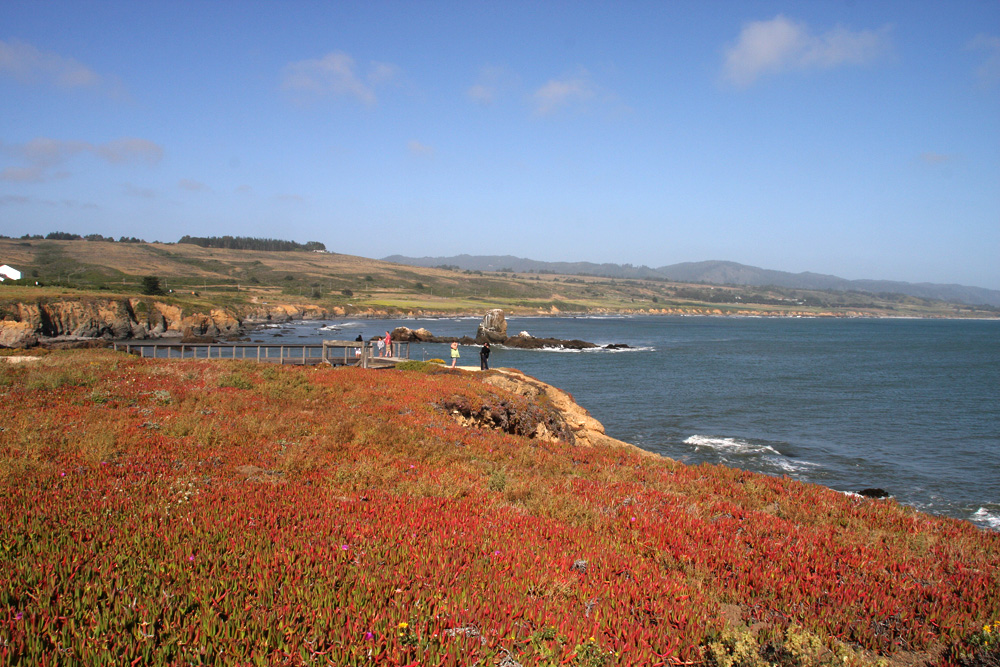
(493,328)
(531,343)
(407,335)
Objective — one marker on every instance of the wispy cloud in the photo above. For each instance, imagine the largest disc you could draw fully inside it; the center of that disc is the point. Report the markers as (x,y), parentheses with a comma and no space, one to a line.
(21,200)
(780,45)
(417,148)
(493,83)
(28,64)
(989,71)
(138,191)
(44,154)
(557,94)
(335,75)
(192,186)
(936,158)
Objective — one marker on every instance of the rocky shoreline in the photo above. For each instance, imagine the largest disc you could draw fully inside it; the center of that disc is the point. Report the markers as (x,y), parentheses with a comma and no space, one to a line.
(97,322)
(87,321)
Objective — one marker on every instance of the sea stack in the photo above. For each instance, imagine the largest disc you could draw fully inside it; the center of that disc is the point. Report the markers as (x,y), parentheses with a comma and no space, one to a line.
(493,328)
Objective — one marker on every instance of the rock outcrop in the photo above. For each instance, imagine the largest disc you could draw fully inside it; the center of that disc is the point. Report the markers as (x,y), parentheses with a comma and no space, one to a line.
(493,328)
(586,431)
(17,334)
(407,335)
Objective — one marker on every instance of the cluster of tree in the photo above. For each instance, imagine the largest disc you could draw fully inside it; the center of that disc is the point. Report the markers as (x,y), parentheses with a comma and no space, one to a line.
(247,243)
(67,236)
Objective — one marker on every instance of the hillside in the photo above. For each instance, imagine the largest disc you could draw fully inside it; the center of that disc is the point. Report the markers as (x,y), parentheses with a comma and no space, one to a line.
(717,273)
(197,279)
(212,512)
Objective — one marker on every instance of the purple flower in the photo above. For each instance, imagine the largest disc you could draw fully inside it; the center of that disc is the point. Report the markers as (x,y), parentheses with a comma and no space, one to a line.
(344,547)
(369,636)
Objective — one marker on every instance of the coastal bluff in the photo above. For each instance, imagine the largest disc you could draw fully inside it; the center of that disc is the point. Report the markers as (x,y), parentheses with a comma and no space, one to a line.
(26,324)
(556,416)
(585,429)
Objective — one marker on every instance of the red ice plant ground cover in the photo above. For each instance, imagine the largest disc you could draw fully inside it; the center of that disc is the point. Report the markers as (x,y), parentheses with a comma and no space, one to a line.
(184,512)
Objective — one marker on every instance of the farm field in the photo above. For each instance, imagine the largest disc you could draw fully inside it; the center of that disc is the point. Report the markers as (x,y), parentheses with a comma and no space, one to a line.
(227,513)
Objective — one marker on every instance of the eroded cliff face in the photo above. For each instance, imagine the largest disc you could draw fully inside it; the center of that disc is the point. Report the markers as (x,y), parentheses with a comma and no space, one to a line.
(571,419)
(24,324)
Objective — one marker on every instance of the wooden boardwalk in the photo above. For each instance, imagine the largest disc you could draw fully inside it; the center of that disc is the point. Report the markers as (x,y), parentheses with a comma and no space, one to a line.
(332,352)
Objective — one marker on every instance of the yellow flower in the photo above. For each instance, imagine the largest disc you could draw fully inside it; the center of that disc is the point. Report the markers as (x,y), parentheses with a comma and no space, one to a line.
(404,625)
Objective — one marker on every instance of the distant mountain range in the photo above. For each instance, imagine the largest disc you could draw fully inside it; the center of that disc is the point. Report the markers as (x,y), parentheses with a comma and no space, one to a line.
(713,272)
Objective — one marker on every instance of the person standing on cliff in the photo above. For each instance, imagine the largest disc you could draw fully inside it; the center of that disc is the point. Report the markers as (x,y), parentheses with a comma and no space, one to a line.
(454,354)
(484,357)
(388,344)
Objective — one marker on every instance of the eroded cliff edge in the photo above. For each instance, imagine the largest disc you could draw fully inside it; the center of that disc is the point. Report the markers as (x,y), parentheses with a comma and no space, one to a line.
(562,418)
(26,324)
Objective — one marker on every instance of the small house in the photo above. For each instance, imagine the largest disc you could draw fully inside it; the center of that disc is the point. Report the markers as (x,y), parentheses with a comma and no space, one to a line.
(9,272)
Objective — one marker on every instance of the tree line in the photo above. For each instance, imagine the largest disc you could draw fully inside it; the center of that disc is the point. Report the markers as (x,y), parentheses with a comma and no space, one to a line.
(229,242)
(67,236)
(248,243)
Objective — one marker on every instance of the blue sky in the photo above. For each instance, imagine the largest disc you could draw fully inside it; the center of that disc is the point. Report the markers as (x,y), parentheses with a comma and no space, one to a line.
(860,139)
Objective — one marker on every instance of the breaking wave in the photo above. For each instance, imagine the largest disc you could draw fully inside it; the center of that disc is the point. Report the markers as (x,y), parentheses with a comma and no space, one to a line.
(986,518)
(733,445)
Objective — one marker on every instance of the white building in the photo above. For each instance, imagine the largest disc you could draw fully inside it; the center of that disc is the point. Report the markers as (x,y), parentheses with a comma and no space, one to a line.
(9,272)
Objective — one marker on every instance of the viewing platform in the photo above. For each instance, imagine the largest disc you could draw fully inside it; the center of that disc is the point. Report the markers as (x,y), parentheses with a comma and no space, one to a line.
(333,352)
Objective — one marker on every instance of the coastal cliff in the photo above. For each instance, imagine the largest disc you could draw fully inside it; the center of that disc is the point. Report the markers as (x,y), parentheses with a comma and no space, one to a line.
(25,324)
(586,431)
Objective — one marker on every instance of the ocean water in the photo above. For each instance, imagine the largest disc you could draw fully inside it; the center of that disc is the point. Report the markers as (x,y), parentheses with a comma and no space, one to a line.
(909,406)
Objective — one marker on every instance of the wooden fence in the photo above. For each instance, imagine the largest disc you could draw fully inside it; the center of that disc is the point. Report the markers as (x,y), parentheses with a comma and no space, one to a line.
(333,352)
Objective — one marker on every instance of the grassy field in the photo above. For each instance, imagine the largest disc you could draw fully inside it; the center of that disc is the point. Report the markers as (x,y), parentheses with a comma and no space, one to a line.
(330,280)
(228,513)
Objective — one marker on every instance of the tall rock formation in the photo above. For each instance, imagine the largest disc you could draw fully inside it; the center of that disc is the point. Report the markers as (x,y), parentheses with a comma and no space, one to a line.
(493,328)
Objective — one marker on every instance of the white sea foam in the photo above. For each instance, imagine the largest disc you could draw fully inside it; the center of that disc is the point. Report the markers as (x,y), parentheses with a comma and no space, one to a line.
(735,445)
(590,350)
(792,465)
(984,517)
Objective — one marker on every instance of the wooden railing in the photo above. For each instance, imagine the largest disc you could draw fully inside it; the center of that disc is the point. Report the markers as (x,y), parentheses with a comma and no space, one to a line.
(355,353)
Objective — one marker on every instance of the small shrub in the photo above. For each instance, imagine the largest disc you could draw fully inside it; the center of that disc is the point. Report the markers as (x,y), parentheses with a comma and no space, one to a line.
(421,366)
(236,381)
(497,481)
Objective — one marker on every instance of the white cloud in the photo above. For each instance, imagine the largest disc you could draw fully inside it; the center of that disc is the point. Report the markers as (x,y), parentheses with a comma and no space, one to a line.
(335,75)
(130,149)
(492,84)
(417,148)
(989,71)
(23,174)
(559,93)
(66,203)
(29,65)
(43,154)
(936,158)
(140,192)
(14,199)
(779,45)
(192,186)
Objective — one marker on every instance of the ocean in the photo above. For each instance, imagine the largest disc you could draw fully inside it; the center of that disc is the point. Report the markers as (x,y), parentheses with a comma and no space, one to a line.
(908,406)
